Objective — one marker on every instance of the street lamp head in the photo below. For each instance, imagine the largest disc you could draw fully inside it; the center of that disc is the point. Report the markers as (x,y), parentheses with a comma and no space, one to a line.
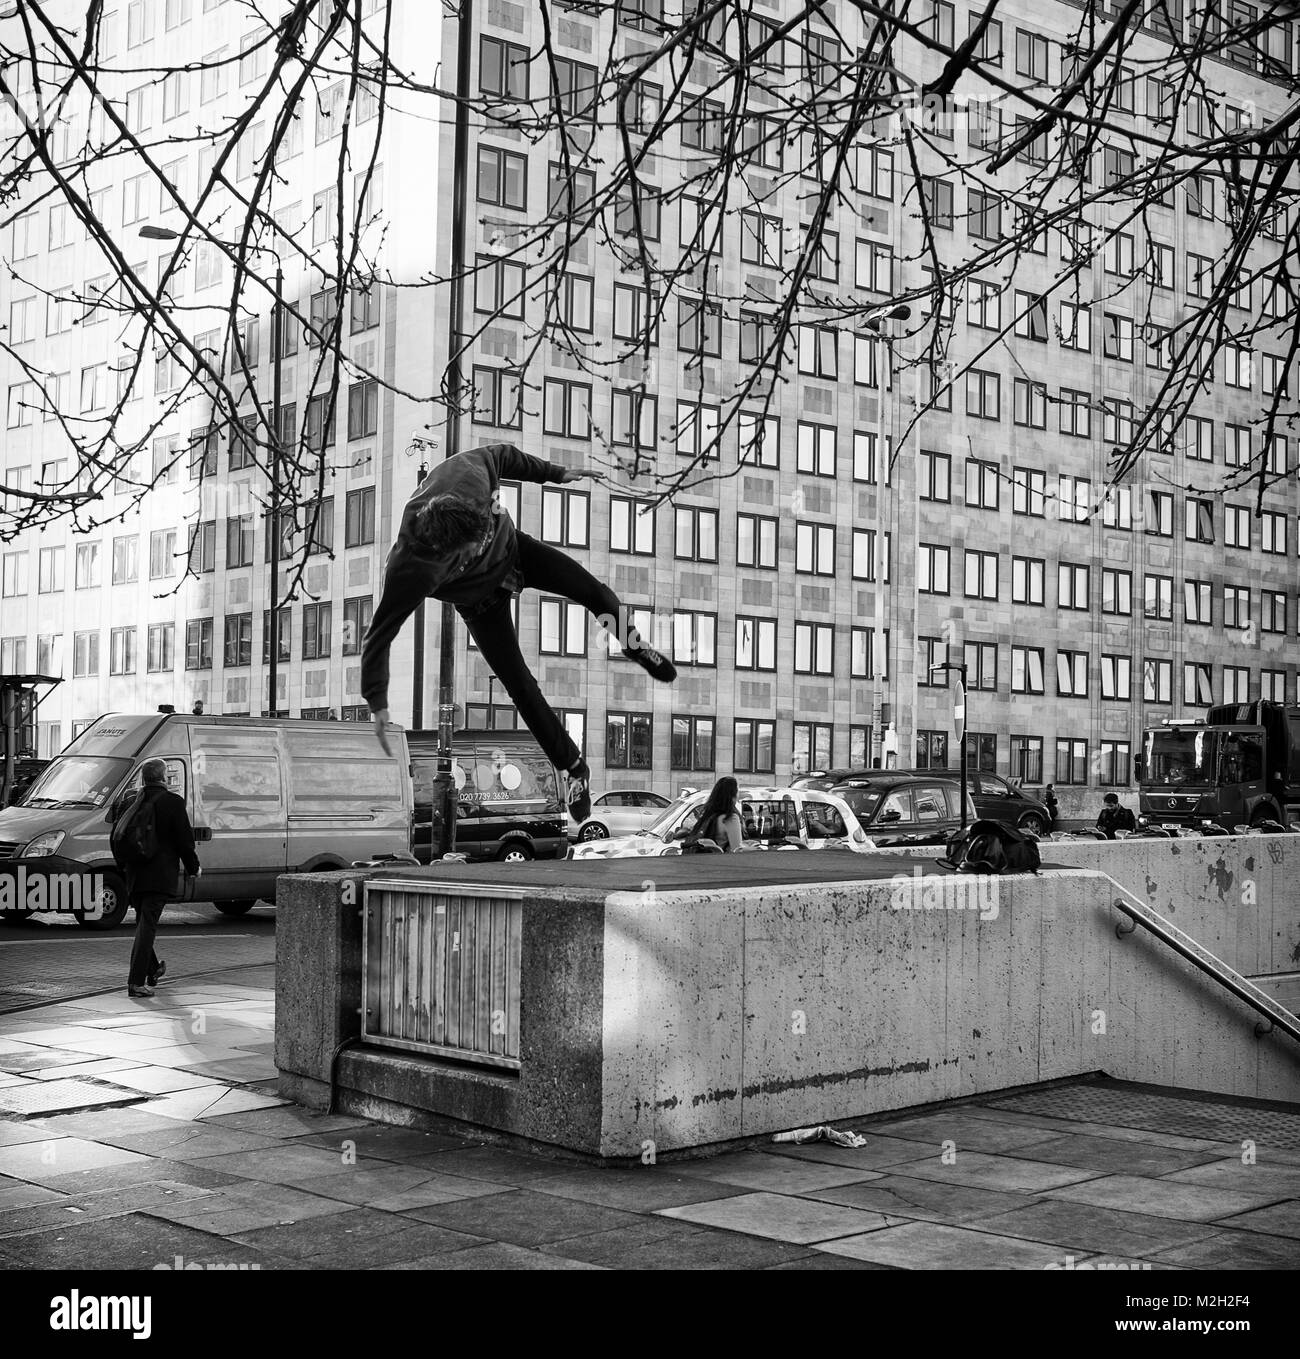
(159,233)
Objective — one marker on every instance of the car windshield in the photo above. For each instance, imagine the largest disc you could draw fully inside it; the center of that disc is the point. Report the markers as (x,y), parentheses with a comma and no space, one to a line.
(863,801)
(664,822)
(1179,757)
(77,781)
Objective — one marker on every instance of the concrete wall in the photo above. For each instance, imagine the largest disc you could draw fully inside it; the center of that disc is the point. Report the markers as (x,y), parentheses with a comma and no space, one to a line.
(1236,895)
(738,1013)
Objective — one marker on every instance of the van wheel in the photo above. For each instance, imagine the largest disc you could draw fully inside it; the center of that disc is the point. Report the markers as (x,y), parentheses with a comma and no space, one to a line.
(1033,823)
(113,904)
(516,852)
(234,907)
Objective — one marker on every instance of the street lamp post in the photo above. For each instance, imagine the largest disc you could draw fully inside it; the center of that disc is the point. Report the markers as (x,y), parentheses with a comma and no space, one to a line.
(161,233)
(959,721)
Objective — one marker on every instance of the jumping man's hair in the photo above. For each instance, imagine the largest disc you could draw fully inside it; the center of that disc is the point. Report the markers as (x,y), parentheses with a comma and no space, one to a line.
(450,522)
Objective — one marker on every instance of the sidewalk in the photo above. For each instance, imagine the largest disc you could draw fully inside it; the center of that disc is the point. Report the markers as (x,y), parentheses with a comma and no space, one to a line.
(179,1148)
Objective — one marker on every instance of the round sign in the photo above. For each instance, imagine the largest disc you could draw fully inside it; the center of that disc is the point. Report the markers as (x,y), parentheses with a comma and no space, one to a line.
(510,777)
(484,776)
(458,774)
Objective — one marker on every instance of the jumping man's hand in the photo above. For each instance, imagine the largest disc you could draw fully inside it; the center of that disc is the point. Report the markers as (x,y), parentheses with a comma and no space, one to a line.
(381,730)
(577,473)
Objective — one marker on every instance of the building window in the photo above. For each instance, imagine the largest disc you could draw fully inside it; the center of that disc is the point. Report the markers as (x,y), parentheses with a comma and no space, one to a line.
(692,742)
(1027,579)
(563,628)
(816,449)
(1072,674)
(1029,403)
(983,395)
(1158,681)
(636,420)
(760,440)
(1160,520)
(239,639)
(1116,591)
(931,749)
(496,397)
(984,217)
(284,634)
(161,647)
(502,178)
(754,748)
(566,409)
(984,305)
(1027,670)
(695,637)
(1072,586)
(814,549)
(1236,526)
(1158,592)
(363,408)
(1272,608)
(934,653)
(1071,761)
(755,643)
(862,661)
(932,569)
(632,526)
(696,431)
(1028,491)
(1116,678)
(981,661)
(198,644)
(695,537)
(317,630)
(565,516)
(629,741)
(981,575)
(1027,758)
(1116,761)
(814,648)
(1273,533)
(934,476)
(811,746)
(1198,516)
(756,541)
(503,69)
(121,651)
(359,517)
(85,654)
(1236,606)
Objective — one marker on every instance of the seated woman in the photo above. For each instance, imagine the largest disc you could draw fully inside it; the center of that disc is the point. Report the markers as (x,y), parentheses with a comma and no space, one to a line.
(719,818)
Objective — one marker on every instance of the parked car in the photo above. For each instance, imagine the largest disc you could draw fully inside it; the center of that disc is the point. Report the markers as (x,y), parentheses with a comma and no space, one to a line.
(771,818)
(900,808)
(619,813)
(509,804)
(995,798)
(265,796)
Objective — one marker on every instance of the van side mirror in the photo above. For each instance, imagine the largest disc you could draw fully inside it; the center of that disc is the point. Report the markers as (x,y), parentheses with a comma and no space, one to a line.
(1137,767)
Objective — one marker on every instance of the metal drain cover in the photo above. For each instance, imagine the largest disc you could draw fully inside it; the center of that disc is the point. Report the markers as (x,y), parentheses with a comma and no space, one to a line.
(48,1097)
(1218,1120)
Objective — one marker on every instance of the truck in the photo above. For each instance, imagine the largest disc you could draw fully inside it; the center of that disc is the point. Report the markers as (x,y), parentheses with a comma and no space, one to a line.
(265,796)
(1237,766)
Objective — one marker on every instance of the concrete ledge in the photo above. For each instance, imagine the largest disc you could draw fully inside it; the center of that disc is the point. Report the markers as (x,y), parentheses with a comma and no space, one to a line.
(684,1017)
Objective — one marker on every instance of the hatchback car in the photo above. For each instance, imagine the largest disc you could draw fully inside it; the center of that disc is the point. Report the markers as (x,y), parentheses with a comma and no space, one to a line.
(905,809)
(620,813)
(771,819)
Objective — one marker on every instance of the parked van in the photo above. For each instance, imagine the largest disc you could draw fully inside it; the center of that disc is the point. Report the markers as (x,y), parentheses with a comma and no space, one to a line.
(509,804)
(265,796)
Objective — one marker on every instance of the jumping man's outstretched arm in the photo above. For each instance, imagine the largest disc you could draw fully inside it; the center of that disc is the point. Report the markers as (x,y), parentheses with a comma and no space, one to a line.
(516,465)
(402,595)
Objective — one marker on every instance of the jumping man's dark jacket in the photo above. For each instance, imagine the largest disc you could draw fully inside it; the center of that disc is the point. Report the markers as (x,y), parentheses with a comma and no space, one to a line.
(471,578)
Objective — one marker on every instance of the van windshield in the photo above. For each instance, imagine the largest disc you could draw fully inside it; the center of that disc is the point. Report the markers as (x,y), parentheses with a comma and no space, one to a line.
(78,781)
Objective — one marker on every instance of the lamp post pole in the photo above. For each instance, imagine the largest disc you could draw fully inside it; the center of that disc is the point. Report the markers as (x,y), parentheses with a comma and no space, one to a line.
(277,326)
(959,722)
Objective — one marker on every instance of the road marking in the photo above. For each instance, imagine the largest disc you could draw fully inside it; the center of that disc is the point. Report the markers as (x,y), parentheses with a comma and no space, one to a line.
(183,938)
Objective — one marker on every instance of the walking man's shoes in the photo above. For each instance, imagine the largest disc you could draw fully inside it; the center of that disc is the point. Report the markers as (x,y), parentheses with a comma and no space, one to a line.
(579,791)
(653,662)
(139,991)
(159,975)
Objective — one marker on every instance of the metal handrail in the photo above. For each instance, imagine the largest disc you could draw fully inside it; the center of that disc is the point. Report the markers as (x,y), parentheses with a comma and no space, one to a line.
(1187,947)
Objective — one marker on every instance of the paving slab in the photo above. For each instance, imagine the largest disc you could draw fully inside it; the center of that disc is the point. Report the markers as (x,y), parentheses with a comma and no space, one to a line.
(489,1163)
(186,1105)
(16,1131)
(933,1245)
(139,1170)
(780,1217)
(494,1255)
(1282,1181)
(645,1189)
(1108,1130)
(782,1174)
(277,1163)
(131,1241)
(395,1188)
(983,1171)
(71,1209)
(1235,1250)
(1115,1157)
(660,1243)
(523,1217)
(1278,1219)
(1163,1198)
(902,1197)
(283,1120)
(106,1125)
(1084,1227)
(157,1080)
(230,1211)
(15,1194)
(358,1238)
(38,1059)
(46,1162)
(96,1066)
(968,1131)
(192,1142)
(387,1143)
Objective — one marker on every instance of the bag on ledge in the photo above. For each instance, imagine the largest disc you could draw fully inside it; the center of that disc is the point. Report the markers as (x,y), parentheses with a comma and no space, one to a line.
(991,847)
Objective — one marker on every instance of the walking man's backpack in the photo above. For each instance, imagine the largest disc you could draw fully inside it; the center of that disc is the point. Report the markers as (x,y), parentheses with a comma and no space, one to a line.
(134,838)
(991,847)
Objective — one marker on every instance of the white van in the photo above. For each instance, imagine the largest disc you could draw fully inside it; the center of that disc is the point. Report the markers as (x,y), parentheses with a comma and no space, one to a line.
(265,796)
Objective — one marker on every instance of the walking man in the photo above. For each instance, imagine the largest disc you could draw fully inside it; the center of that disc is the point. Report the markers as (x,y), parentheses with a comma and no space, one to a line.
(151,879)
(457,544)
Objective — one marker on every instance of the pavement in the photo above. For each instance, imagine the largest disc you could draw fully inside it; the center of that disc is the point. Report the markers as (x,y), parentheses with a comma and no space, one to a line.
(136,1133)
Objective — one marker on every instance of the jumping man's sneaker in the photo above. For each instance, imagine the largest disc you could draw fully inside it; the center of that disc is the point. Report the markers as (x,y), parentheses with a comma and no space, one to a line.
(653,662)
(579,793)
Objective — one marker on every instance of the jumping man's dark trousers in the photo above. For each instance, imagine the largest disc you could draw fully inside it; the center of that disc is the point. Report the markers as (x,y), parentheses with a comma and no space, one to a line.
(148,911)
(493,630)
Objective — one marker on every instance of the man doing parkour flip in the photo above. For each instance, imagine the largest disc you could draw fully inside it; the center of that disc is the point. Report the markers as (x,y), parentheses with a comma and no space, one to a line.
(457,544)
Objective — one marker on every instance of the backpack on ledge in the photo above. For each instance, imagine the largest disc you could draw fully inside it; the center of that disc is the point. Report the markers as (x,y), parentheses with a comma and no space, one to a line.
(990,847)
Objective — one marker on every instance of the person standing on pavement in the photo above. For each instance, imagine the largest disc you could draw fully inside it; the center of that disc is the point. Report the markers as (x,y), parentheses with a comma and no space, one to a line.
(1053,807)
(456,543)
(152,882)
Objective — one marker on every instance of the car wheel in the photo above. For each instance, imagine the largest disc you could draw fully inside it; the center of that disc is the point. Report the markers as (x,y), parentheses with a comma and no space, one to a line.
(516,852)
(593,831)
(113,903)
(234,907)
(1034,823)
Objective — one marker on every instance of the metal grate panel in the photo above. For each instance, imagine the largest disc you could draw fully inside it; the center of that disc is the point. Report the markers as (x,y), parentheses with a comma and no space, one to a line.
(1201,1116)
(441,970)
(61,1096)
